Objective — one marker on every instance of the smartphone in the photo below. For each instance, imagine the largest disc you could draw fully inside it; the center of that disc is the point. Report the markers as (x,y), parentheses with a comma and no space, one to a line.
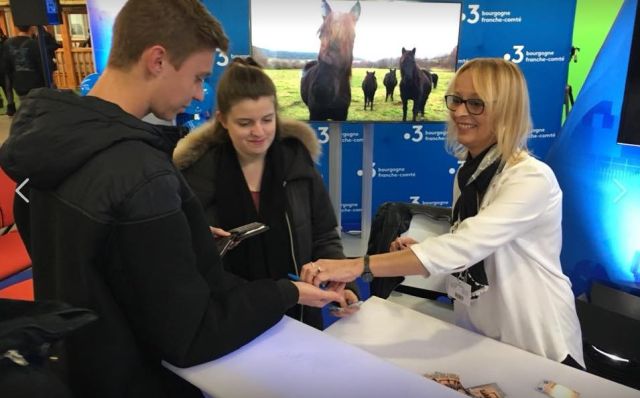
(239,234)
(336,306)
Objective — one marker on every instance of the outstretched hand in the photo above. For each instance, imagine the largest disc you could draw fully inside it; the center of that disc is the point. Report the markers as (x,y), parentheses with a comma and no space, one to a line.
(401,243)
(324,271)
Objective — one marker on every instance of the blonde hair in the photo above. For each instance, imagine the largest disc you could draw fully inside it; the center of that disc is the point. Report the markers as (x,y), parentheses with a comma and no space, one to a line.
(503,88)
(182,27)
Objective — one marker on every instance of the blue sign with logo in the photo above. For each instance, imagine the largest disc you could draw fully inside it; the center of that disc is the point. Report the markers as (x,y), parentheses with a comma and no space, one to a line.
(412,165)
(537,37)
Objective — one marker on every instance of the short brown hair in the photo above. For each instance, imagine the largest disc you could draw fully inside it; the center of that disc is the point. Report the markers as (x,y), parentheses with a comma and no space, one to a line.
(182,27)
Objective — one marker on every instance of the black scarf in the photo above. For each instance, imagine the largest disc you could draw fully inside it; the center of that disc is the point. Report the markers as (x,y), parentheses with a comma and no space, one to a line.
(472,191)
(267,255)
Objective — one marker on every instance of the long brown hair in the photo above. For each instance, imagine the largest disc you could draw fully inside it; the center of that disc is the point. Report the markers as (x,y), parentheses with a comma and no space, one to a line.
(243,79)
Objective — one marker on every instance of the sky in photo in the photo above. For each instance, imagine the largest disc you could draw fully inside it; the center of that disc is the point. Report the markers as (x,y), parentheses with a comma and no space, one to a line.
(383,29)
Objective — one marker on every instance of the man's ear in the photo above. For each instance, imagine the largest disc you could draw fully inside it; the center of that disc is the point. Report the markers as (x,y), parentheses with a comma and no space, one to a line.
(155,59)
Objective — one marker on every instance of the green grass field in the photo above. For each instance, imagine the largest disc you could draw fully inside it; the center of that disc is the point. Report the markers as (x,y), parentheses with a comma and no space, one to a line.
(288,83)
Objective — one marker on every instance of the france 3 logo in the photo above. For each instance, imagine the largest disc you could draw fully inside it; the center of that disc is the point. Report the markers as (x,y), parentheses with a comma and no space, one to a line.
(519,54)
(420,135)
(475,15)
(322,132)
(374,172)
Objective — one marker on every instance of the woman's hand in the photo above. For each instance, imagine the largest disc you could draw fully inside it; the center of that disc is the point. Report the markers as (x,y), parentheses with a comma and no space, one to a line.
(322,271)
(401,243)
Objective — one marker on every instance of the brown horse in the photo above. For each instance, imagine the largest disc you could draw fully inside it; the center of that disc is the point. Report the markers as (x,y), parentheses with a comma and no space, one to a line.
(325,85)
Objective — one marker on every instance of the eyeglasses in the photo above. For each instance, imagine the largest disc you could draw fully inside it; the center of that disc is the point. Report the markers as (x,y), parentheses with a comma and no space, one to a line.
(475,106)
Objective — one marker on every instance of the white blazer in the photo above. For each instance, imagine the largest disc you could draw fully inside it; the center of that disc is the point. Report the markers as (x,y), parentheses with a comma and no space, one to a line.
(518,233)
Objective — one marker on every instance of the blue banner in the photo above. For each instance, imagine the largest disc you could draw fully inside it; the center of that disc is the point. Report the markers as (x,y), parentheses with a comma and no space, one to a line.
(412,165)
(537,37)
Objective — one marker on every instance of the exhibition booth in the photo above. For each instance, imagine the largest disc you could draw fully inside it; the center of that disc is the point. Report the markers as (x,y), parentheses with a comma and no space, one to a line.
(395,152)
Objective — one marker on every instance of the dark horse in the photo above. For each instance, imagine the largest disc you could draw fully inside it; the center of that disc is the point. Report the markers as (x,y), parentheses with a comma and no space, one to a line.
(325,86)
(390,82)
(369,87)
(434,78)
(415,84)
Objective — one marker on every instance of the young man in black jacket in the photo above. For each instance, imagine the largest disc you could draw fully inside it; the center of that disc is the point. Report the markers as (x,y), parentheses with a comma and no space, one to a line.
(112,226)
(21,58)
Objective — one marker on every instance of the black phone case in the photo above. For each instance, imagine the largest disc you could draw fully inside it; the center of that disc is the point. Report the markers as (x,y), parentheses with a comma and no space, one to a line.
(239,234)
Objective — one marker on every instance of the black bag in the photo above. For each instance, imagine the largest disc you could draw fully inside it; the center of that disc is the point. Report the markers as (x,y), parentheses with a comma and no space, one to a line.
(391,220)
(27,332)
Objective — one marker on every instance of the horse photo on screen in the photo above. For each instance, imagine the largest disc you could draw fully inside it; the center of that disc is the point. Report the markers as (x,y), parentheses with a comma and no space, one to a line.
(319,54)
(325,85)
(390,82)
(415,84)
(369,87)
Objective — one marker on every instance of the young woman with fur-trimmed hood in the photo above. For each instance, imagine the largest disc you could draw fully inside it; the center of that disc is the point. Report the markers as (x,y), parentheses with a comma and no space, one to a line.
(249,165)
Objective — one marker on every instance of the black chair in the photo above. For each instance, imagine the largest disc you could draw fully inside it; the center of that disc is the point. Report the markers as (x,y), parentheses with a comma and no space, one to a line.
(610,328)
(390,221)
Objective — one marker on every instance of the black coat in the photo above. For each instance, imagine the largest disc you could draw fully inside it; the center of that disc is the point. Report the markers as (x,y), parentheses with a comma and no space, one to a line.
(312,231)
(21,61)
(112,226)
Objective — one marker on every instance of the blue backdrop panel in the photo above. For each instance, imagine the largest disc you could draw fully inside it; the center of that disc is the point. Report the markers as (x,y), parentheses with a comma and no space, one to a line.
(234,17)
(352,139)
(322,132)
(600,179)
(537,37)
(351,173)
(102,14)
(411,165)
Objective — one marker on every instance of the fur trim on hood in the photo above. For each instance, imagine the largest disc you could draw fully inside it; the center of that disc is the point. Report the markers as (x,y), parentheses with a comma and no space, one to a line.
(197,143)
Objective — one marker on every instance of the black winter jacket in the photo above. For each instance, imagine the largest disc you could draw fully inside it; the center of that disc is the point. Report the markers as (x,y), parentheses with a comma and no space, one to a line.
(312,230)
(112,226)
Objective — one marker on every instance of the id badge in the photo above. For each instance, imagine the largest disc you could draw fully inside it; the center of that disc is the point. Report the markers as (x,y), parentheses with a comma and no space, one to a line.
(459,290)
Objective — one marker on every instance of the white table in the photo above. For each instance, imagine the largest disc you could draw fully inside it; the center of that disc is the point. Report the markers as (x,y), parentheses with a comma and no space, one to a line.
(423,344)
(294,360)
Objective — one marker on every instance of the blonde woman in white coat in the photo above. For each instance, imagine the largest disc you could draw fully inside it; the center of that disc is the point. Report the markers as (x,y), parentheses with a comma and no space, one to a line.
(503,250)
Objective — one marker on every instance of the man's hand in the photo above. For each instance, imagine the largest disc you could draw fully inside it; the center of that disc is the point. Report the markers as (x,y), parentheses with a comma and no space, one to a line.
(348,306)
(314,296)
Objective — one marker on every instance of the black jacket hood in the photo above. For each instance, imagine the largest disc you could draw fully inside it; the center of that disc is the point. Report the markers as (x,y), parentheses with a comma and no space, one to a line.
(55,132)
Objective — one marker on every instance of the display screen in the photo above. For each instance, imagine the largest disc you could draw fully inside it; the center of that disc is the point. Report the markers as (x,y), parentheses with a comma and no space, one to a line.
(53,12)
(327,57)
(629,132)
